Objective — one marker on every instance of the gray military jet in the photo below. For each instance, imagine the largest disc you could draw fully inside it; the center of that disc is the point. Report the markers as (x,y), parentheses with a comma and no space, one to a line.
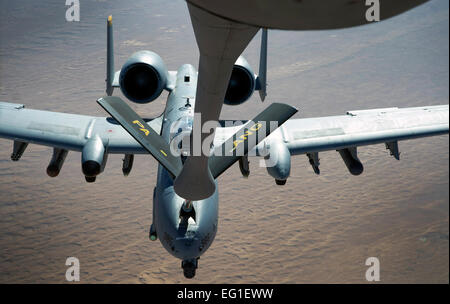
(185,198)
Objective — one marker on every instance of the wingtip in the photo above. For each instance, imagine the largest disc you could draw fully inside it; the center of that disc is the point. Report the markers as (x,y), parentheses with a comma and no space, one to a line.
(285,106)
(110,20)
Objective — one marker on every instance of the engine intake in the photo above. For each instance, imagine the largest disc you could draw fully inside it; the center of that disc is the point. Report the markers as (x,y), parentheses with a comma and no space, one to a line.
(242,83)
(143,77)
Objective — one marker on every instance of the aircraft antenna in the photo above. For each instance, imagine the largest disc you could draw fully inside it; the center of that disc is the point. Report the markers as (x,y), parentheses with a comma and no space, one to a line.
(109,57)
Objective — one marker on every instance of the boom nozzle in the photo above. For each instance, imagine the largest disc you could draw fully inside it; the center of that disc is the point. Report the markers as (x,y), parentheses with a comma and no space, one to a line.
(195,182)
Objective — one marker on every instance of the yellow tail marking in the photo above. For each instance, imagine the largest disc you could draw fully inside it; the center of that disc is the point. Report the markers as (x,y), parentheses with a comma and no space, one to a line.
(164,153)
(143,129)
(243,137)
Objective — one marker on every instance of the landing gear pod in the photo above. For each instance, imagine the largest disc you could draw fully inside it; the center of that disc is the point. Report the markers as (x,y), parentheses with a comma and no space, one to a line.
(278,162)
(93,158)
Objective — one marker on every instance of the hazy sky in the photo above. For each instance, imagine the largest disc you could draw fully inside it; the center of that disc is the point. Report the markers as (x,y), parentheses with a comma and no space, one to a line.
(313,229)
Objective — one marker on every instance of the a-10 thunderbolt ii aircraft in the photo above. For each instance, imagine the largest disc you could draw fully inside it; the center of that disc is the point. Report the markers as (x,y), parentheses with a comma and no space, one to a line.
(186,227)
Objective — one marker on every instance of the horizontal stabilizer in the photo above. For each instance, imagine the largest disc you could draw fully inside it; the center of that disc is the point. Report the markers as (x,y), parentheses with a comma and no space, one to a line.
(142,132)
(247,137)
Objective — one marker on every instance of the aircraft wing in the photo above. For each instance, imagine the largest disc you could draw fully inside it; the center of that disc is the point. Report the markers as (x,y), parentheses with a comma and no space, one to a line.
(67,131)
(365,127)
(345,133)
(301,136)
(356,128)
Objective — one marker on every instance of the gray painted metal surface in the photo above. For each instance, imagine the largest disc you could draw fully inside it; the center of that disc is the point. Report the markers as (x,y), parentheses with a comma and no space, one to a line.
(302,15)
(220,43)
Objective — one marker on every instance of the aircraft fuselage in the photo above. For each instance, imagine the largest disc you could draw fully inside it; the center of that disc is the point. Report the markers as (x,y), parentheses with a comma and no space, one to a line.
(186,234)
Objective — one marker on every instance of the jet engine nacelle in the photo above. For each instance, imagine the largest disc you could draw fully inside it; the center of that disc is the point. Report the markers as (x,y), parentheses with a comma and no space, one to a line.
(278,161)
(143,77)
(93,158)
(242,83)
